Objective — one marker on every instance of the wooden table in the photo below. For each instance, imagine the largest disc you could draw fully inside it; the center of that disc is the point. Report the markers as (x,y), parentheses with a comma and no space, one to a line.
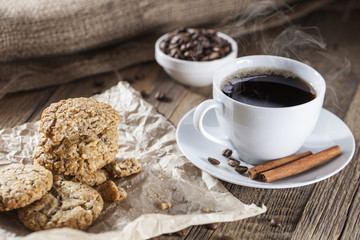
(329,209)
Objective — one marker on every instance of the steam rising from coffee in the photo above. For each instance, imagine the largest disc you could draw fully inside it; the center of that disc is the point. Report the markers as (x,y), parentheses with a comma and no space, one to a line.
(307,45)
(304,44)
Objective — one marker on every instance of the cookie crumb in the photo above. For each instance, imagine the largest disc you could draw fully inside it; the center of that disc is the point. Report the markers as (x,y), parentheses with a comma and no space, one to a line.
(205,210)
(91,179)
(110,192)
(156,196)
(123,168)
(164,205)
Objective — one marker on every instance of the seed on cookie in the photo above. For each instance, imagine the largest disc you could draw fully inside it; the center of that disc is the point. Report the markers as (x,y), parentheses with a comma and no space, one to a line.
(21,185)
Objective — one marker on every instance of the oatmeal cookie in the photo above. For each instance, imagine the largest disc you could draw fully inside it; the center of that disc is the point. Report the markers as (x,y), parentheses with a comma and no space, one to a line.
(68,204)
(110,192)
(93,179)
(77,116)
(72,167)
(83,147)
(21,185)
(123,168)
(77,136)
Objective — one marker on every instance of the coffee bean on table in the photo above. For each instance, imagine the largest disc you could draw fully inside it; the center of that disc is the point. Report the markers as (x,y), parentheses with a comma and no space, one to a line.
(233,162)
(227,152)
(275,222)
(213,161)
(160,96)
(212,226)
(139,76)
(182,232)
(144,94)
(99,83)
(128,79)
(154,238)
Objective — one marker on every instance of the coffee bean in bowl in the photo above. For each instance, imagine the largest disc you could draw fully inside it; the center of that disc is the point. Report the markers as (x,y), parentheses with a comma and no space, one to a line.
(195,45)
(191,56)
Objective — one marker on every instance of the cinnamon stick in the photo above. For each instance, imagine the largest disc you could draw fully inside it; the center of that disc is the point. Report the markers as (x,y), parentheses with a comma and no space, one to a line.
(300,165)
(255,171)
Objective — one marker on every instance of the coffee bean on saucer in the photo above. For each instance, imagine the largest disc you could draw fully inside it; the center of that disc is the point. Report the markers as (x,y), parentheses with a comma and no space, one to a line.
(240,169)
(227,152)
(275,222)
(213,161)
(233,162)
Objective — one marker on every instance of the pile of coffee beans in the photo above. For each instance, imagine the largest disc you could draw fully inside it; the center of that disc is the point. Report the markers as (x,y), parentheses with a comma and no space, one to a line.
(195,45)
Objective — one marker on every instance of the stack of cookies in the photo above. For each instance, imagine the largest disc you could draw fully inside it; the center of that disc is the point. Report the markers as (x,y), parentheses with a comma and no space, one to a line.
(76,150)
(77,137)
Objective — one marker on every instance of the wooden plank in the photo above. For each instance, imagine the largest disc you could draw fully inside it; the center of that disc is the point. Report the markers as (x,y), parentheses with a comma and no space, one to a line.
(88,86)
(288,205)
(189,100)
(326,210)
(327,215)
(285,204)
(18,108)
(332,214)
(352,224)
(80,88)
(150,72)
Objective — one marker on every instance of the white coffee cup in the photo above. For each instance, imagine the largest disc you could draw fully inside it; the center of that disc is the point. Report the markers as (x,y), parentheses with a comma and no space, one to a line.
(260,134)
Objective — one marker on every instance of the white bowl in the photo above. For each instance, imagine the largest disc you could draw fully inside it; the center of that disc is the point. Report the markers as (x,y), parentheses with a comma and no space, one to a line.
(193,73)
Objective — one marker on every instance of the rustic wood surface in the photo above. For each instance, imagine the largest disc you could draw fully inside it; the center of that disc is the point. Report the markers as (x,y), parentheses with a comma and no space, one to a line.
(326,210)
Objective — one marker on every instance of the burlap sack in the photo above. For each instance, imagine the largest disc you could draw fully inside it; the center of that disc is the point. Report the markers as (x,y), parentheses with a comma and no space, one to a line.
(44,42)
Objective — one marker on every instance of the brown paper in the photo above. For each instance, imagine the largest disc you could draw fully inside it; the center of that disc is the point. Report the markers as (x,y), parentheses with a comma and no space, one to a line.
(166,176)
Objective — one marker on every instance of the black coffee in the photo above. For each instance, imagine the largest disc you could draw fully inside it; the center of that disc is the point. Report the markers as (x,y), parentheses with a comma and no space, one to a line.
(269,89)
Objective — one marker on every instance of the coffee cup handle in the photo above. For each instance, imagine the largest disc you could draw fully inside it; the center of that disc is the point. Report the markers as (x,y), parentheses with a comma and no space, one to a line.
(198,118)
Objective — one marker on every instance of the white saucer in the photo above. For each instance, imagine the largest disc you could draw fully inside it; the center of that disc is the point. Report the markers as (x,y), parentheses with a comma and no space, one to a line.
(329,131)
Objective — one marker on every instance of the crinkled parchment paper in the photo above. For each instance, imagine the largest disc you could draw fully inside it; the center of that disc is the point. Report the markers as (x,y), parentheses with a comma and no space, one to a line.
(166,176)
